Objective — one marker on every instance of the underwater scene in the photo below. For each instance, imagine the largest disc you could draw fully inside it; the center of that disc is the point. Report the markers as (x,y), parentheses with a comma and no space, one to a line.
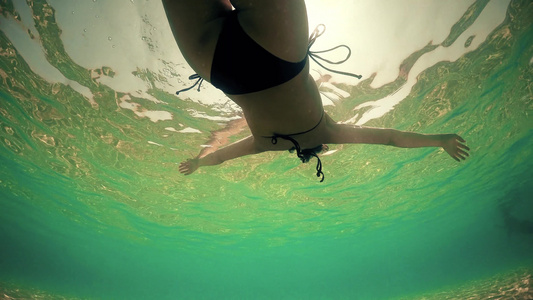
(92,204)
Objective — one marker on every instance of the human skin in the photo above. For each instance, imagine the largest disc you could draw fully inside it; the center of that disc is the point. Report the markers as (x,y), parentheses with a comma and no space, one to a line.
(280,27)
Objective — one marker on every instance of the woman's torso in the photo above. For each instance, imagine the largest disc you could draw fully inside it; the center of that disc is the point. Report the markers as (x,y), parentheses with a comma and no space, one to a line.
(292,107)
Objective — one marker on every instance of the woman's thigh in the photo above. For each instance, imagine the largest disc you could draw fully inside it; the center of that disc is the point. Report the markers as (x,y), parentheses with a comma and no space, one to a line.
(196,25)
(279,26)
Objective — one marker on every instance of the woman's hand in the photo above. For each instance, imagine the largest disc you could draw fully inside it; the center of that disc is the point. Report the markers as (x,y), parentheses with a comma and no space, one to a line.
(454,145)
(189,166)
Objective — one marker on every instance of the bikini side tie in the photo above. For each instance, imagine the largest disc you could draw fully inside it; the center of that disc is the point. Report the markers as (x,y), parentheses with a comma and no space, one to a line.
(315,57)
(198,82)
(299,152)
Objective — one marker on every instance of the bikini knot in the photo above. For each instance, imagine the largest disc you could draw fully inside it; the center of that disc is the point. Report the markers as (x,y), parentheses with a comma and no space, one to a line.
(314,55)
(198,82)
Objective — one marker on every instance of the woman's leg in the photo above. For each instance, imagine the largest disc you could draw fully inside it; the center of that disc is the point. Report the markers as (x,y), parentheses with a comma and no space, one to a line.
(279,26)
(196,25)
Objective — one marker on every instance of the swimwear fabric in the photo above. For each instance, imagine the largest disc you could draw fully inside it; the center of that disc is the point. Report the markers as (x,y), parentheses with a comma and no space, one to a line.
(242,66)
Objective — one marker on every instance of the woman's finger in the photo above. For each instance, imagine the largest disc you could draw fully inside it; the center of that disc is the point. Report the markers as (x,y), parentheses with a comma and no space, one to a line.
(464,147)
(460,139)
(464,153)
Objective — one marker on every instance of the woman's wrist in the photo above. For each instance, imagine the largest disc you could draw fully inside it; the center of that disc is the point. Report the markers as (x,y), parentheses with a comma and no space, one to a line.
(210,159)
(439,140)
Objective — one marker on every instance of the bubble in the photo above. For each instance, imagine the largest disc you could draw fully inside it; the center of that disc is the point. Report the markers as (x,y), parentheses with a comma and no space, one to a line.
(84,29)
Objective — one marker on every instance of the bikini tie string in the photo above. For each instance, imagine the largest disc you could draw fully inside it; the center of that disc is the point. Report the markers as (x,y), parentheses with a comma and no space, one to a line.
(318,167)
(198,82)
(300,153)
(315,57)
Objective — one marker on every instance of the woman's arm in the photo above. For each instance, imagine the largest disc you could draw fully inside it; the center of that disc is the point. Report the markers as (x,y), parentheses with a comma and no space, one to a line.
(350,134)
(240,148)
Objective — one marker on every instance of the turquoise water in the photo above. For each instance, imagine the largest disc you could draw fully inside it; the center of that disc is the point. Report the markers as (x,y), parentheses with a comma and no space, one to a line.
(92,204)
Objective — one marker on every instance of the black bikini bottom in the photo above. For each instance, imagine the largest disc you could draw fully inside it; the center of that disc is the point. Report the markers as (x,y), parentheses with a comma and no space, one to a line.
(241,66)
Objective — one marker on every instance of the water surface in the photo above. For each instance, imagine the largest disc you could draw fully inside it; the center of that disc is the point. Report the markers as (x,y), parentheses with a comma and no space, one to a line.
(91,136)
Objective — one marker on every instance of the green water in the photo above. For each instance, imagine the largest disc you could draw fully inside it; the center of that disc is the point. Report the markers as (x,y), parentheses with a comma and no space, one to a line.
(92,204)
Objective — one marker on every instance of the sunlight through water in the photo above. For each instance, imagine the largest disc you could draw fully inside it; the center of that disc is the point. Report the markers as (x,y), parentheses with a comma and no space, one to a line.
(92,204)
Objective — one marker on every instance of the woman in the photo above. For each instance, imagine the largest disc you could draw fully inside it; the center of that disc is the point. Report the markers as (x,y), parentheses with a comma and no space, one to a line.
(257,55)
